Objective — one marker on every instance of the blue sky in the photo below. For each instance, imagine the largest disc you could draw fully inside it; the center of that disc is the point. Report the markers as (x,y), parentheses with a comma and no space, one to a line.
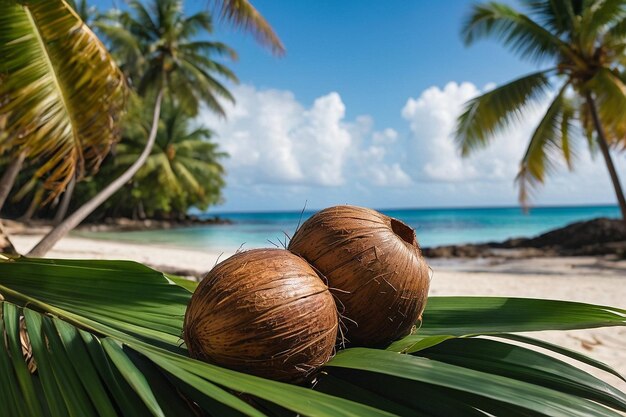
(361,108)
(374,53)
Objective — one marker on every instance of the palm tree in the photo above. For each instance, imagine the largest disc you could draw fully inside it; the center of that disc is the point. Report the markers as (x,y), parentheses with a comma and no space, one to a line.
(584,43)
(60,111)
(162,55)
(182,171)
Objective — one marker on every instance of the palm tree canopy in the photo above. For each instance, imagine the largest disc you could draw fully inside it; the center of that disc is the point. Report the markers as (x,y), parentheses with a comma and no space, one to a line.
(61,94)
(159,46)
(183,170)
(582,43)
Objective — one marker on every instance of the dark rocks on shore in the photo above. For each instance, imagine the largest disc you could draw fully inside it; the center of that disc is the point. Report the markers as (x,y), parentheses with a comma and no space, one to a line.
(595,237)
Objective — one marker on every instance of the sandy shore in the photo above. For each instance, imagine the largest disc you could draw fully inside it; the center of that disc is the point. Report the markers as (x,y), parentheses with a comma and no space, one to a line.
(588,280)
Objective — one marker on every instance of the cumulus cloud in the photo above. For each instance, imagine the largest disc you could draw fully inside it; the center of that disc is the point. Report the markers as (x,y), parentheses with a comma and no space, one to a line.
(272,138)
(281,147)
(432,118)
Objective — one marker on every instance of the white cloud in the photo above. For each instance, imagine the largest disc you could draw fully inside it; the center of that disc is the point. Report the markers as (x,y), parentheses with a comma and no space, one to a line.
(432,118)
(386,137)
(272,138)
(283,152)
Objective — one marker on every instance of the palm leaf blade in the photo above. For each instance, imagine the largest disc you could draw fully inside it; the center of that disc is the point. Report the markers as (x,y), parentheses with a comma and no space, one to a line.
(461,316)
(60,108)
(525,365)
(489,113)
(563,351)
(143,371)
(507,390)
(243,14)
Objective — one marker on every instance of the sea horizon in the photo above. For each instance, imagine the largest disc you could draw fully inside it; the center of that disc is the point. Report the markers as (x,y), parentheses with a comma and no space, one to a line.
(434,226)
(218,213)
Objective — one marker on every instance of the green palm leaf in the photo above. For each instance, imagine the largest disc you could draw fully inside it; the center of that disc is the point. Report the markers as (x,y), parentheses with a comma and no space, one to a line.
(526,365)
(556,15)
(486,115)
(461,316)
(513,391)
(550,138)
(160,48)
(520,33)
(609,91)
(243,14)
(129,319)
(105,338)
(63,94)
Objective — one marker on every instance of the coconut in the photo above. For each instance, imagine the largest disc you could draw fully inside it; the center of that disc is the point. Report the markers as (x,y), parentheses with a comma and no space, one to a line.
(374,267)
(265,312)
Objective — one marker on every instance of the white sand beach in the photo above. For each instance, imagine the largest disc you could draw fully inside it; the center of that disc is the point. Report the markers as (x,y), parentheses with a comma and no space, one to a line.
(588,280)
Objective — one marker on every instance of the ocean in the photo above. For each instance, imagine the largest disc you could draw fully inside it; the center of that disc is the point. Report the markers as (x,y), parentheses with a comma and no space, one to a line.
(434,227)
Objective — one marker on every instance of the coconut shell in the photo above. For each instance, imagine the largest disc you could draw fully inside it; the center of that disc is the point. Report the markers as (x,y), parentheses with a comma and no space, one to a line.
(374,267)
(265,312)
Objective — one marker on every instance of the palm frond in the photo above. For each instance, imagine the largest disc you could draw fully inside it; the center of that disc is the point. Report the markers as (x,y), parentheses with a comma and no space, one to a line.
(207,48)
(102,355)
(486,115)
(609,91)
(63,94)
(243,14)
(544,144)
(79,329)
(144,20)
(193,24)
(124,45)
(556,15)
(596,19)
(617,32)
(516,30)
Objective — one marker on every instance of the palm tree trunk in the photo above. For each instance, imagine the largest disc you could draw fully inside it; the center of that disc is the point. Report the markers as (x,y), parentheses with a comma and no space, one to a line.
(604,148)
(9,176)
(65,202)
(86,209)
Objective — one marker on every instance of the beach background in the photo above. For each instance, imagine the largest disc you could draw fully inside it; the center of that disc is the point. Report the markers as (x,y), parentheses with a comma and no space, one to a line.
(195,250)
(434,226)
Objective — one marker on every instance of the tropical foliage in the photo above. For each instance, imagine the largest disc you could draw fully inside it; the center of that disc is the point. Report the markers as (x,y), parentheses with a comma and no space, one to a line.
(61,94)
(162,53)
(183,170)
(582,45)
(104,338)
(159,47)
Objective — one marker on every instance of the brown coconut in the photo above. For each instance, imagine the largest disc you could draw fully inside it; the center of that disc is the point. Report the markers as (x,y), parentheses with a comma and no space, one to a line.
(374,267)
(265,312)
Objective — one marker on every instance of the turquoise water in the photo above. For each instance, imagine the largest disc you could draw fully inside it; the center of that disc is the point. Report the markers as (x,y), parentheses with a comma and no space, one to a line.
(433,226)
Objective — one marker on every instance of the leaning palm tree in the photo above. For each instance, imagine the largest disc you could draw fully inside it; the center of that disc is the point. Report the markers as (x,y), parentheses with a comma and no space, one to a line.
(583,43)
(182,171)
(162,54)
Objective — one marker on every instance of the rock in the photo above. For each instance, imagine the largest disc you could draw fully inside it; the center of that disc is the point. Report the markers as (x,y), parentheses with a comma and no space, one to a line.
(597,237)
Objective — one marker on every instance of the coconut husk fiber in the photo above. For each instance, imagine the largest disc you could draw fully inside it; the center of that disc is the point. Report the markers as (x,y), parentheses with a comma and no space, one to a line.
(264,312)
(374,267)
